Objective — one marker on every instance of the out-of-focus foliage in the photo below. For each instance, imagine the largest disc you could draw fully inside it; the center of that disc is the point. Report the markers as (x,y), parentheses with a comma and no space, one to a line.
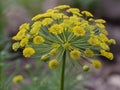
(45,79)
(1,18)
(85,4)
(33,6)
(90,5)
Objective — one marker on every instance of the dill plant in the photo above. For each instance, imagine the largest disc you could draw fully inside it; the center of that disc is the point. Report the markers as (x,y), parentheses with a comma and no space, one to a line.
(64,32)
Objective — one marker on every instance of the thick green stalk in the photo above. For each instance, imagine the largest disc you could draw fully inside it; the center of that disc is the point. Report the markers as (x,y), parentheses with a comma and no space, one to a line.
(63,71)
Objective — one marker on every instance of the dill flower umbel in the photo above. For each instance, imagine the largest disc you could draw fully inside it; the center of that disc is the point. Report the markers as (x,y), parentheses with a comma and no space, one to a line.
(64,29)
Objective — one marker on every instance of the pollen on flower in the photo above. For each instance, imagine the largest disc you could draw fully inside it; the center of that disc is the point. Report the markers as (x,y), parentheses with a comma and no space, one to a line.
(53,64)
(28,52)
(17,79)
(75,54)
(38,40)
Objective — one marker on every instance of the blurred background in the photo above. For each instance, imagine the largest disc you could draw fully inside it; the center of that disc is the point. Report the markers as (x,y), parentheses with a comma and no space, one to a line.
(15,12)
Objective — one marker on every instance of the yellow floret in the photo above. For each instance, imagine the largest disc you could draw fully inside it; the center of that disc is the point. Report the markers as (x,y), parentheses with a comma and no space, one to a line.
(52,11)
(40,16)
(56,16)
(103,37)
(35,31)
(94,40)
(100,21)
(97,64)
(47,21)
(104,46)
(56,29)
(36,24)
(15,46)
(53,64)
(75,54)
(73,10)
(112,41)
(108,55)
(89,53)
(24,42)
(86,13)
(28,52)
(25,26)
(20,35)
(79,31)
(17,79)
(38,40)
(61,7)
(67,46)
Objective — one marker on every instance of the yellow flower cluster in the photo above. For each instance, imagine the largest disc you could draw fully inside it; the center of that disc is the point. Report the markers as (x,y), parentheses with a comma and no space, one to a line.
(53,64)
(97,64)
(75,54)
(64,29)
(17,79)
(28,52)
(106,54)
(56,29)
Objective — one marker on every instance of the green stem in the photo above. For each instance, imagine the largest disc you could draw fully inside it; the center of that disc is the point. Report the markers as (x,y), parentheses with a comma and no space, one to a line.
(63,71)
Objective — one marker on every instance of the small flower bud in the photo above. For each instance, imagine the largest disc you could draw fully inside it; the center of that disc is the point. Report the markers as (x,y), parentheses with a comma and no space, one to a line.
(86,68)
(35,79)
(45,58)
(53,52)
(27,66)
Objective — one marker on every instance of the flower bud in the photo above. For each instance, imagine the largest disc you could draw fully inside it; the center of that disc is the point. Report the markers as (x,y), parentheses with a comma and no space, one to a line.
(53,52)
(27,66)
(35,79)
(45,58)
(86,68)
